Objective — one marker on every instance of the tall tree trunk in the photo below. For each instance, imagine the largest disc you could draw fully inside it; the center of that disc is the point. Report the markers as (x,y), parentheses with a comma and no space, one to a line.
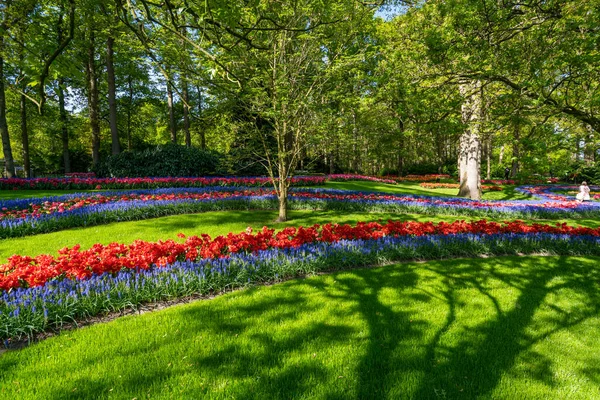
(112,100)
(470,142)
(590,149)
(400,146)
(172,129)
(93,102)
(514,169)
(129,109)
(200,128)
(283,198)
(501,157)
(186,112)
(488,156)
(64,127)
(6,148)
(25,137)
(355,146)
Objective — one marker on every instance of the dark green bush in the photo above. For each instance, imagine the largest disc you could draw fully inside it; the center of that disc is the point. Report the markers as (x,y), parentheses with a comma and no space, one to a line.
(166,160)
(580,171)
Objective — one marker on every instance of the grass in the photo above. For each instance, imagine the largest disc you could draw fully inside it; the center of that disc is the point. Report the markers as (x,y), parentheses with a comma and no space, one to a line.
(508,192)
(28,194)
(510,328)
(212,223)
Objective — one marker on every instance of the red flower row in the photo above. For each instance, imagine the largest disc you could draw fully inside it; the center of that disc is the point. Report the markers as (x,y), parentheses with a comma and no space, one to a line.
(48,207)
(420,178)
(74,263)
(456,186)
(106,183)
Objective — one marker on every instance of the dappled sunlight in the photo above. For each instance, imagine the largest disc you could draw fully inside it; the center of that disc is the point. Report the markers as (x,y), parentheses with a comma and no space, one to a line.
(478,327)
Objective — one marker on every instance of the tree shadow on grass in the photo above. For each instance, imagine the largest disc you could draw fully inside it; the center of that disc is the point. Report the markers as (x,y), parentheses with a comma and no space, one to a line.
(248,363)
(491,349)
(274,343)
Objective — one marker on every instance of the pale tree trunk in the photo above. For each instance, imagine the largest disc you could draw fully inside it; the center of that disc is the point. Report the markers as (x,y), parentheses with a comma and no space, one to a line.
(112,102)
(172,129)
(93,101)
(501,157)
(64,129)
(469,161)
(6,147)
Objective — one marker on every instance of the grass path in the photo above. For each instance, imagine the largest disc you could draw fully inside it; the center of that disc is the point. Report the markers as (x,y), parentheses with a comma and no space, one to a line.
(28,194)
(509,327)
(508,193)
(212,223)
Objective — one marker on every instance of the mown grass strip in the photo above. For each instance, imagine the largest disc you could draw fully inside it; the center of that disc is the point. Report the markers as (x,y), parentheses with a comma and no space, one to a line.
(212,223)
(508,192)
(510,327)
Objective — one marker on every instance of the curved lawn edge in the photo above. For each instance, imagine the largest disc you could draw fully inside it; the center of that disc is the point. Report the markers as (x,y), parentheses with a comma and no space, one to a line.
(409,330)
(140,210)
(27,312)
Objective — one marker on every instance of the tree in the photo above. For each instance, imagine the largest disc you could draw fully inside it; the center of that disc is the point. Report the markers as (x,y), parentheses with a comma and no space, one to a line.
(469,162)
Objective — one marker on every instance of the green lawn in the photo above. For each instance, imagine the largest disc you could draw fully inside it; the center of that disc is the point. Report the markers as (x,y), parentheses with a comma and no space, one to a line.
(502,328)
(508,193)
(212,223)
(508,327)
(28,194)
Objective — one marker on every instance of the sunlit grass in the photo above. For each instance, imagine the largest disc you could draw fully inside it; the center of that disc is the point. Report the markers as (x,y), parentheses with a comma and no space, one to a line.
(508,192)
(504,328)
(212,223)
(28,194)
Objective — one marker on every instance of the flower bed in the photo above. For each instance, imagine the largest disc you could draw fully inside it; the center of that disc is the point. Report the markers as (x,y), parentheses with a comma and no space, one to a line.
(82,181)
(420,178)
(499,181)
(80,175)
(163,270)
(352,177)
(76,264)
(146,183)
(429,185)
(27,217)
(548,192)
(23,209)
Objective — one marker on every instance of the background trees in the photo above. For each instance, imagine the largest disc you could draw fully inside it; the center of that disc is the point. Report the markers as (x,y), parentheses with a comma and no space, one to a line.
(318,86)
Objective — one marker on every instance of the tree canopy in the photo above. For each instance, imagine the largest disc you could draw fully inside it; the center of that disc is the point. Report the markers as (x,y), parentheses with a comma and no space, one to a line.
(277,87)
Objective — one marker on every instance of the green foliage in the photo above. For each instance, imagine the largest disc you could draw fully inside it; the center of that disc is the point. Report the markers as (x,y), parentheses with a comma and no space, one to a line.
(161,161)
(580,172)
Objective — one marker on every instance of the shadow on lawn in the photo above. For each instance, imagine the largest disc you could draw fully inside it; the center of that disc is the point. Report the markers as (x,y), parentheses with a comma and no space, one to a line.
(258,218)
(400,189)
(507,193)
(275,344)
(491,349)
(484,352)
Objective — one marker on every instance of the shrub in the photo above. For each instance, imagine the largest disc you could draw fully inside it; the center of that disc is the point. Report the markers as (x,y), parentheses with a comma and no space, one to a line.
(166,160)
